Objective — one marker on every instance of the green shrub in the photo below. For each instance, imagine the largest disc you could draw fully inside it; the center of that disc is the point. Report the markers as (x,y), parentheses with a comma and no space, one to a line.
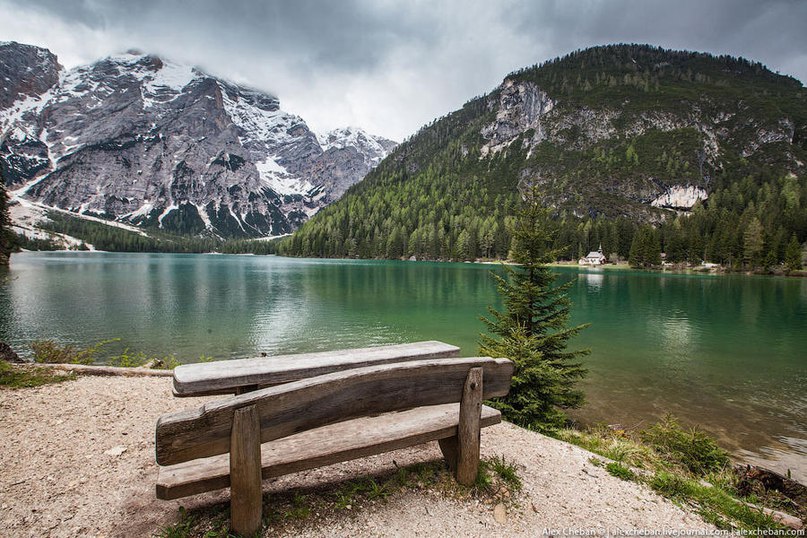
(620,471)
(169,362)
(51,352)
(692,449)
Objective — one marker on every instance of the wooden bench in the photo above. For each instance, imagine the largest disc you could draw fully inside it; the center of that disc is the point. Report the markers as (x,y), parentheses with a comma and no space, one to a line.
(326,419)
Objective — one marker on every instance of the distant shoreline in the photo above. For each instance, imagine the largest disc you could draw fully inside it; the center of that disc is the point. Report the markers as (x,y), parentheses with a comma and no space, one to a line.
(622,266)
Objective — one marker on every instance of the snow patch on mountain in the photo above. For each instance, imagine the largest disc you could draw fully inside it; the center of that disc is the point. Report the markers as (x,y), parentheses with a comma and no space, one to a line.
(279,180)
(374,147)
(269,125)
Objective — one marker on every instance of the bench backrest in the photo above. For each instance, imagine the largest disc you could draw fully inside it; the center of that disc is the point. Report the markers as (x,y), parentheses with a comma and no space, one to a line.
(310,403)
(225,377)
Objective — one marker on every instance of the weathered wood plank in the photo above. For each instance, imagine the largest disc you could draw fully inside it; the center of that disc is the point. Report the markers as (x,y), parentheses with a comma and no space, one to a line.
(319,401)
(223,377)
(331,444)
(245,472)
(468,428)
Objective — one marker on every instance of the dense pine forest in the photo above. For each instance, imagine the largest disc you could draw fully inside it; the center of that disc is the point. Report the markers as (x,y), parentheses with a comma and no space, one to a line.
(110,238)
(651,119)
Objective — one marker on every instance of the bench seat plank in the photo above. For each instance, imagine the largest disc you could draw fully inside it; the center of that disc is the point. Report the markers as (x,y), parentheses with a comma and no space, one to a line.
(343,441)
(224,377)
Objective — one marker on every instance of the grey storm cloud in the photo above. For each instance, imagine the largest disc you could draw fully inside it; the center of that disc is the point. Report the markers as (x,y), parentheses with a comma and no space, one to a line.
(772,31)
(391,66)
(344,35)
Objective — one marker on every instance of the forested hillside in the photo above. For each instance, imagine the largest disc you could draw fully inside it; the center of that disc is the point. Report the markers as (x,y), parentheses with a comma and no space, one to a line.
(705,155)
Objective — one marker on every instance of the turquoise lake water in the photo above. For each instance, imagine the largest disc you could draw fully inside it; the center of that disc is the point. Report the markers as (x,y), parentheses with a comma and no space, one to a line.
(726,352)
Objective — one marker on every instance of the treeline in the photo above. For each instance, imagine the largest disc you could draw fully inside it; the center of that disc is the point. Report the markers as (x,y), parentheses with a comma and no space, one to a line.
(114,239)
(651,76)
(34,243)
(456,218)
(748,225)
(454,208)
(751,224)
(6,235)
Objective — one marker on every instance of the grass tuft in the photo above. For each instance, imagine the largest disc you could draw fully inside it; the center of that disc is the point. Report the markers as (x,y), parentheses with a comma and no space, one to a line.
(715,504)
(20,377)
(620,471)
(506,471)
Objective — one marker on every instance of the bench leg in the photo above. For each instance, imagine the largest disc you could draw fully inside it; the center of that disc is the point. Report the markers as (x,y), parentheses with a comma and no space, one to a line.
(448,447)
(468,430)
(245,472)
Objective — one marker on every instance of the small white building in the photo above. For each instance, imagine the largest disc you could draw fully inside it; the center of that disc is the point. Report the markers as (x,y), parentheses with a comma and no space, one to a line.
(593,258)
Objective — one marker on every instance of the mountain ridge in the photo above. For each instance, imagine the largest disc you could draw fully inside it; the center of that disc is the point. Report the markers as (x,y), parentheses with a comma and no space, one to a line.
(617,137)
(145,141)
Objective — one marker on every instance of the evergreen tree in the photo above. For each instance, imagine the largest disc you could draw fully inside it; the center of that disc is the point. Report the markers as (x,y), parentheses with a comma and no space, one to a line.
(6,237)
(532,329)
(645,250)
(793,254)
(753,243)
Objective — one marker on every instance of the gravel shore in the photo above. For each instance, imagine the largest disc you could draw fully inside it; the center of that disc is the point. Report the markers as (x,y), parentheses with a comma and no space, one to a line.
(77,459)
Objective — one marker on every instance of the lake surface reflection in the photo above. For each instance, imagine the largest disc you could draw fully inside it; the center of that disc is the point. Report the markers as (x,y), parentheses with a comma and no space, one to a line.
(727,352)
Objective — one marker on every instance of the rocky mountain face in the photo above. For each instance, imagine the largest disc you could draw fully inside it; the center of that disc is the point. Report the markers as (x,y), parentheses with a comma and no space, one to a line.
(623,135)
(350,151)
(143,141)
(693,141)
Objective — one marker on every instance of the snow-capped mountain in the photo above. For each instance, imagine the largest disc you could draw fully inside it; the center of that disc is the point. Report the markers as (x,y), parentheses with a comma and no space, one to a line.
(148,142)
(349,151)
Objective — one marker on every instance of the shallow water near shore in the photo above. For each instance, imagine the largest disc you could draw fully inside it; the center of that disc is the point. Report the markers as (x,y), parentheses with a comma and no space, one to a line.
(728,352)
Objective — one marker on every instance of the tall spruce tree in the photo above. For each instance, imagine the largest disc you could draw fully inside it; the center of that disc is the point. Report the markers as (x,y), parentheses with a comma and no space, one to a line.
(645,250)
(532,329)
(6,242)
(793,254)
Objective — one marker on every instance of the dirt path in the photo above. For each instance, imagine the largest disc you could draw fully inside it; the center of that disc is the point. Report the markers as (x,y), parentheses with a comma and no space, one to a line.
(77,459)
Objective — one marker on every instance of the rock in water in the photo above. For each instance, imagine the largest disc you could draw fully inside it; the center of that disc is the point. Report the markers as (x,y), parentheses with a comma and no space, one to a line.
(8,354)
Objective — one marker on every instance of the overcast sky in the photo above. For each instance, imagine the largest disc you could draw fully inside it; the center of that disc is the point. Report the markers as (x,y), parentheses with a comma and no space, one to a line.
(392,66)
